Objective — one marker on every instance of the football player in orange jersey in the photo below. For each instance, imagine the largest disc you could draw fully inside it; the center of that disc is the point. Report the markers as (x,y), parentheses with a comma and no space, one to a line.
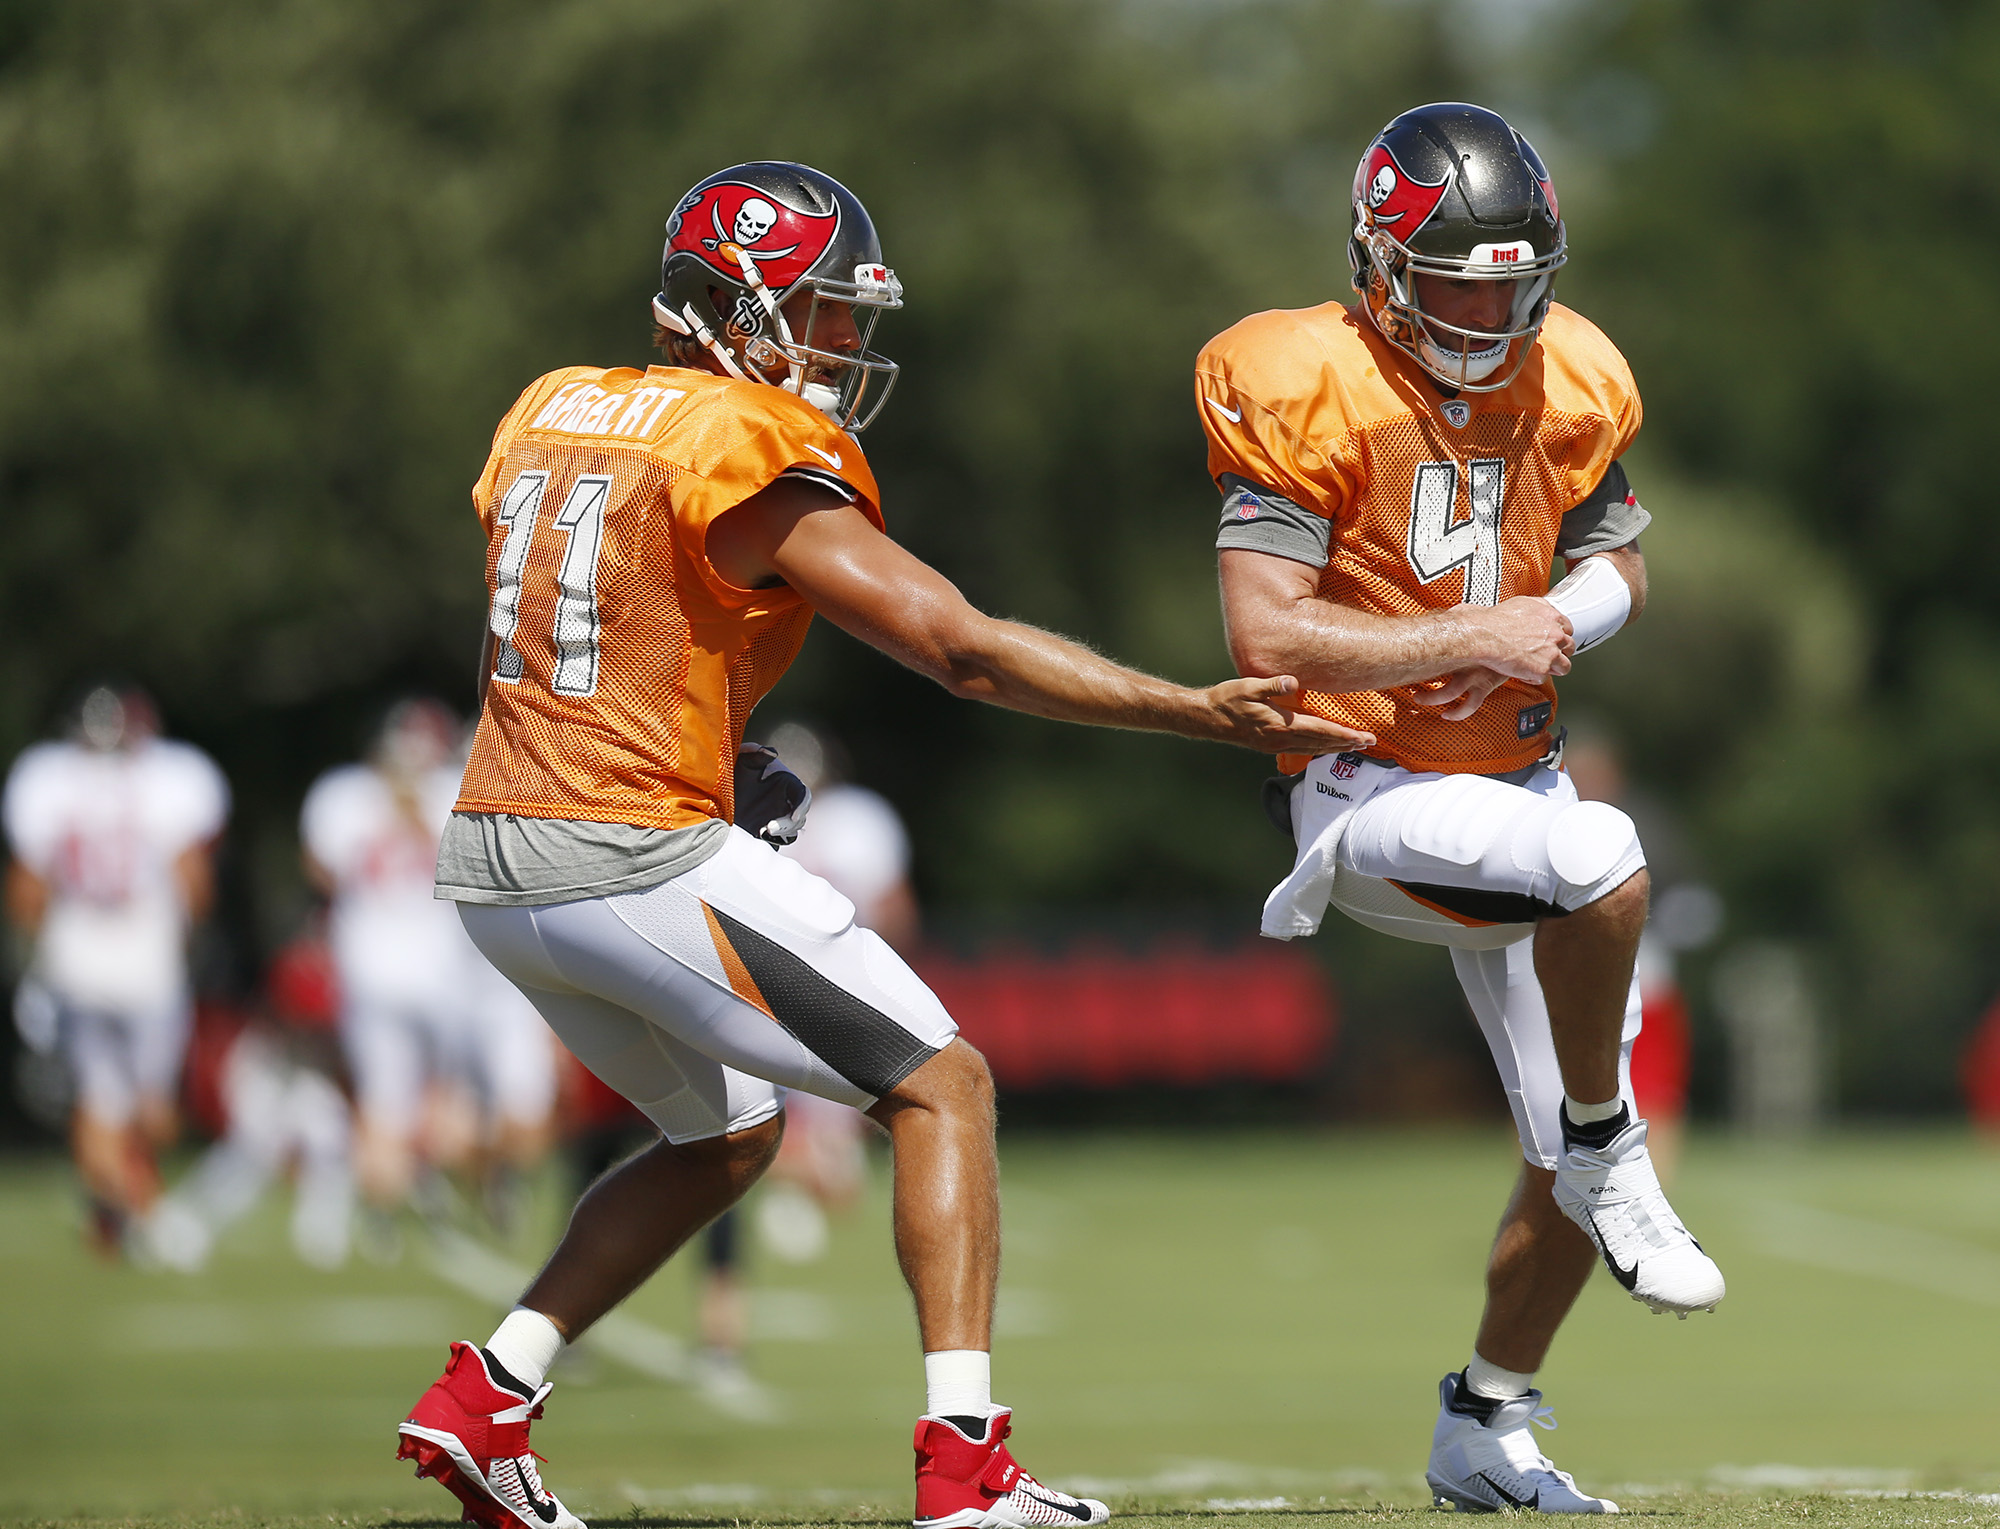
(1398,477)
(657,544)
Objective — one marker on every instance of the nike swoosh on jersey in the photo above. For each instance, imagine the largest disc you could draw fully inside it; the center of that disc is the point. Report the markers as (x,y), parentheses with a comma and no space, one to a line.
(831,458)
(1234,416)
(1626,1277)
(546,1512)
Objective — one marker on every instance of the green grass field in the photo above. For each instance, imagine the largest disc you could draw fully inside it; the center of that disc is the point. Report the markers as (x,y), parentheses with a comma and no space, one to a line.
(1240,1325)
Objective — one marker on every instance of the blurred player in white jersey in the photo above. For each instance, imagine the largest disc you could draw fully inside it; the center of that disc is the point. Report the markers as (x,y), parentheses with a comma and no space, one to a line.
(282,1115)
(111,833)
(421,1010)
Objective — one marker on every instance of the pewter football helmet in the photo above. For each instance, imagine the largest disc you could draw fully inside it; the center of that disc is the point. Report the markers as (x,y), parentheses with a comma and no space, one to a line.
(1451,190)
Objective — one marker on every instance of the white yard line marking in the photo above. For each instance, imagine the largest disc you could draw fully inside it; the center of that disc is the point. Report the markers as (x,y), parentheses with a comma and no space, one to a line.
(479,1271)
(1879,1250)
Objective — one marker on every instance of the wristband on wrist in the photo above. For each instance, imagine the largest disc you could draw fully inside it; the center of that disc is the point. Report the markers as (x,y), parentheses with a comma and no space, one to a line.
(1596,599)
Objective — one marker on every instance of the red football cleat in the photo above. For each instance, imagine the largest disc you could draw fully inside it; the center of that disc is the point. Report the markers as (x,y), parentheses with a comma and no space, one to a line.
(472,1435)
(975,1483)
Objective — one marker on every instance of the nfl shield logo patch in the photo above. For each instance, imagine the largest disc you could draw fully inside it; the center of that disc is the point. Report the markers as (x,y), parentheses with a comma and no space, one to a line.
(1456,413)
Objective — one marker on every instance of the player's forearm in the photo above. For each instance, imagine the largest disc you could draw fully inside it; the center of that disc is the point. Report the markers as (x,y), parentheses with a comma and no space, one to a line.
(194,873)
(1334,649)
(1024,668)
(27,899)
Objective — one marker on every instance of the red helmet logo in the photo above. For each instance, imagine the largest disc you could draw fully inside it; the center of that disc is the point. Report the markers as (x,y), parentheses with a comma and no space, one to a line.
(1399,202)
(785,243)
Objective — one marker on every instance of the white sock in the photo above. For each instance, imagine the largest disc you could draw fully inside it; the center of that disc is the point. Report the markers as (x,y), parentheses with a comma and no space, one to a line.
(526,1344)
(1484,1378)
(1590,1114)
(958,1382)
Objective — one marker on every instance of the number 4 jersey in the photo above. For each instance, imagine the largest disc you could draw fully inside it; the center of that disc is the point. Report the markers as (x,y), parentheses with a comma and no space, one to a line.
(1331,448)
(625,665)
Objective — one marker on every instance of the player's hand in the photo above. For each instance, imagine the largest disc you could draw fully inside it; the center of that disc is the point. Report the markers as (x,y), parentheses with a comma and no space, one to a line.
(1460,695)
(1531,639)
(771,802)
(1258,714)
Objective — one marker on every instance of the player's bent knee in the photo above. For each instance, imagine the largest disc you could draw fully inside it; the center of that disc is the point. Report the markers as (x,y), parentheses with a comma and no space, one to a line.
(956,1080)
(747,1151)
(1594,849)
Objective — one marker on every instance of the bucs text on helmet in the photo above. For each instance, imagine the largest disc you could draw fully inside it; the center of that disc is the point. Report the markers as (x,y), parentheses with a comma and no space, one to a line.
(1451,190)
(746,240)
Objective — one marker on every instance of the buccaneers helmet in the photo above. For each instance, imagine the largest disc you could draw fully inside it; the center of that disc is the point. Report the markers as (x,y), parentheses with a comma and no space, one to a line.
(1451,190)
(748,238)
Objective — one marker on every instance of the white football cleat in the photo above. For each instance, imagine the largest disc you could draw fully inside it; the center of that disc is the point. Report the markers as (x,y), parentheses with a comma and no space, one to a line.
(1614,1195)
(1493,1466)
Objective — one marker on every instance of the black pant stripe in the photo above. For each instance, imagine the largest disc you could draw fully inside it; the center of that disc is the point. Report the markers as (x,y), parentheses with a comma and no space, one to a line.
(1488,907)
(857,1040)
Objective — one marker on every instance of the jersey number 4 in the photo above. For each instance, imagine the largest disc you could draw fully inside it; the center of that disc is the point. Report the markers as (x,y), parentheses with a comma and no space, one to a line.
(1439,543)
(575,634)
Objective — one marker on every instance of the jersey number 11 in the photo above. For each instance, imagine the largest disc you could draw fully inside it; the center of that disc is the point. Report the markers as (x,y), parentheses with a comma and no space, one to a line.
(575,634)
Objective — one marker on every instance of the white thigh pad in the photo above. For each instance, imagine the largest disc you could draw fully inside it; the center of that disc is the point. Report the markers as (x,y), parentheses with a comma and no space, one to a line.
(1456,820)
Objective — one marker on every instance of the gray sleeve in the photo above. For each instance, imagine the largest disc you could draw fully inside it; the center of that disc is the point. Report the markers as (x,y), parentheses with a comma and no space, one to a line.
(1610,516)
(1257,520)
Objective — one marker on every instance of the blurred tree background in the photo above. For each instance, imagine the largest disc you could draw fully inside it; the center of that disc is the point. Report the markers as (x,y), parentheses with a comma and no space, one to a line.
(273,270)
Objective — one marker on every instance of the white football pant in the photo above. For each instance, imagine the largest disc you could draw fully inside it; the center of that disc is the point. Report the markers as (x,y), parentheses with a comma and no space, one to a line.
(119,1056)
(703,999)
(1471,863)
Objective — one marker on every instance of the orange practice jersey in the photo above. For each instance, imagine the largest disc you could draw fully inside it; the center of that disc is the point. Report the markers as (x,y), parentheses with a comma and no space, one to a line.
(626,665)
(1433,504)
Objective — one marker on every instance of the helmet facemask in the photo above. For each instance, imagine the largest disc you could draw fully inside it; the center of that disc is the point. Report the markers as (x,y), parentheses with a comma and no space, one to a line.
(1468,360)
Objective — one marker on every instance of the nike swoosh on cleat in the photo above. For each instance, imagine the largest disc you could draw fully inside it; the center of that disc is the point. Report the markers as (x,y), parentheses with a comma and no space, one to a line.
(1234,416)
(1076,1511)
(1519,1502)
(546,1512)
(1629,1278)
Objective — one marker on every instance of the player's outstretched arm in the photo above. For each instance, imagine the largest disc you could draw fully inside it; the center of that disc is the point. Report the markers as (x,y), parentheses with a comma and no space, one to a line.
(1278,623)
(869,586)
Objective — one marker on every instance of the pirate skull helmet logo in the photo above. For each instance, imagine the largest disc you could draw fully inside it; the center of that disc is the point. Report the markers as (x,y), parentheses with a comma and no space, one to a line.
(754,219)
(1381,186)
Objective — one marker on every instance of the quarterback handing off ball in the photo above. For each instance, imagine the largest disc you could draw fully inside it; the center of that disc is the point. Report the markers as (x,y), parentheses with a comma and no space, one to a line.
(1399,477)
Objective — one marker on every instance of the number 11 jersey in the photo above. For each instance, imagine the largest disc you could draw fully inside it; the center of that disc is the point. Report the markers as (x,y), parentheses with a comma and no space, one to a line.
(1332,447)
(625,665)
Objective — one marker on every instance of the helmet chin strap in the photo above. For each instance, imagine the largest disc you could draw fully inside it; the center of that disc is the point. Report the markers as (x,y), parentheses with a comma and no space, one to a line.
(822,397)
(795,382)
